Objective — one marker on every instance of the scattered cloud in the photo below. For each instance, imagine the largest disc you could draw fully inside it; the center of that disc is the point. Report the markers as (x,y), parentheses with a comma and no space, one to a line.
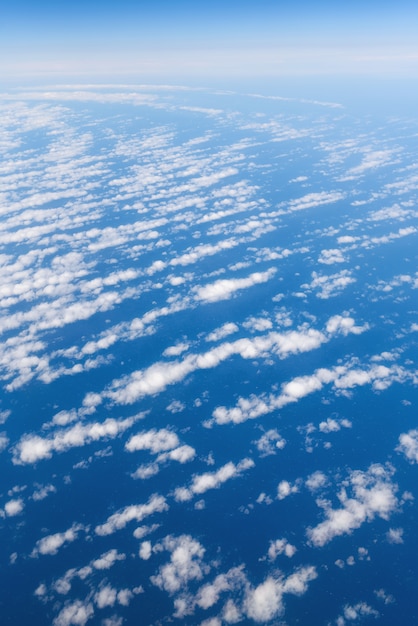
(363,496)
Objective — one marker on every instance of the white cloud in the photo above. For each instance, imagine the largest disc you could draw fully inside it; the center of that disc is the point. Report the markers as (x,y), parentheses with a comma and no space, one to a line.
(285,489)
(331,425)
(315,199)
(138,512)
(408,445)
(345,325)
(106,597)
(354,612)
(223,289)
(372,494)
(341,377)
(395,535)
(145,550)
(329,257)
(280,546)
(212,480)
(158,376)
(43,492)
(270,442)
(329,286)
(185,564)
(52,543)
(75,613)
(265,602)
(182,454)
(222,332)
(108,559)
(153,440)
(33,448)
(14,507)
(316,481)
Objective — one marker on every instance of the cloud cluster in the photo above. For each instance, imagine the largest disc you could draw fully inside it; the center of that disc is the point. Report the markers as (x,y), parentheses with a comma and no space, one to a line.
(33,448)
(364,496)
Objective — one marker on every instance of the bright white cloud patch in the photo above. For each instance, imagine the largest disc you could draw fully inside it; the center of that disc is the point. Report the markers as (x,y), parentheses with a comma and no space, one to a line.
(364,496)
(212,480)
(225,288)
(408,445)
(51,544)
(185,565)
(137,512)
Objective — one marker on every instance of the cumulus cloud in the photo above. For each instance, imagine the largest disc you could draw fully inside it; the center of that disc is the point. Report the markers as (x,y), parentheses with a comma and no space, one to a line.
(285,489)
(33,448)
(408,445)
(363,496)
(75,613)
(316,481)
(212,480)
(265,602)
(52,543)
(158,376)
(331,285)
(220,333)
(137,512)
(280,546)
(108,559)
(270,442)
(352,613)
(315,199)
(153,440)
(14,507)
(342,377)
(186,563)
(223,289)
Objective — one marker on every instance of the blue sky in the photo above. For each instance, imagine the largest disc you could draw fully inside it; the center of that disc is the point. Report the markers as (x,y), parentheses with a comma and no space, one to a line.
(183,39)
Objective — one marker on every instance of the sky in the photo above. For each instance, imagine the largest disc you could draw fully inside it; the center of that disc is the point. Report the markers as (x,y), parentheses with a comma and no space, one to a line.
(185,40)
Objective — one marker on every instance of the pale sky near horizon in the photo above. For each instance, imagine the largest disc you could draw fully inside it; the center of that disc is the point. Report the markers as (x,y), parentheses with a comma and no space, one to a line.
(183,39)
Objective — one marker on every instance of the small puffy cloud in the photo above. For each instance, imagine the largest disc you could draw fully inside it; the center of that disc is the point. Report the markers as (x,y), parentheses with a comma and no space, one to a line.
(4,441)
(176,350)
(182,454)
(329,257)
(316,481)
(270,442)
(145,550)
(186,564)
(331,425)
(106,597)
(352,613)
(285,489)
(108,559)
(223,289)
(280,546)
(212,480)
(52,543)
(265,602)
(329,286)
(153,440)
(372,495)
(220,333)
(75,613)
(395,535)
(137,512)
(43,492)
(344,325)
(14,507)
(408,445)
